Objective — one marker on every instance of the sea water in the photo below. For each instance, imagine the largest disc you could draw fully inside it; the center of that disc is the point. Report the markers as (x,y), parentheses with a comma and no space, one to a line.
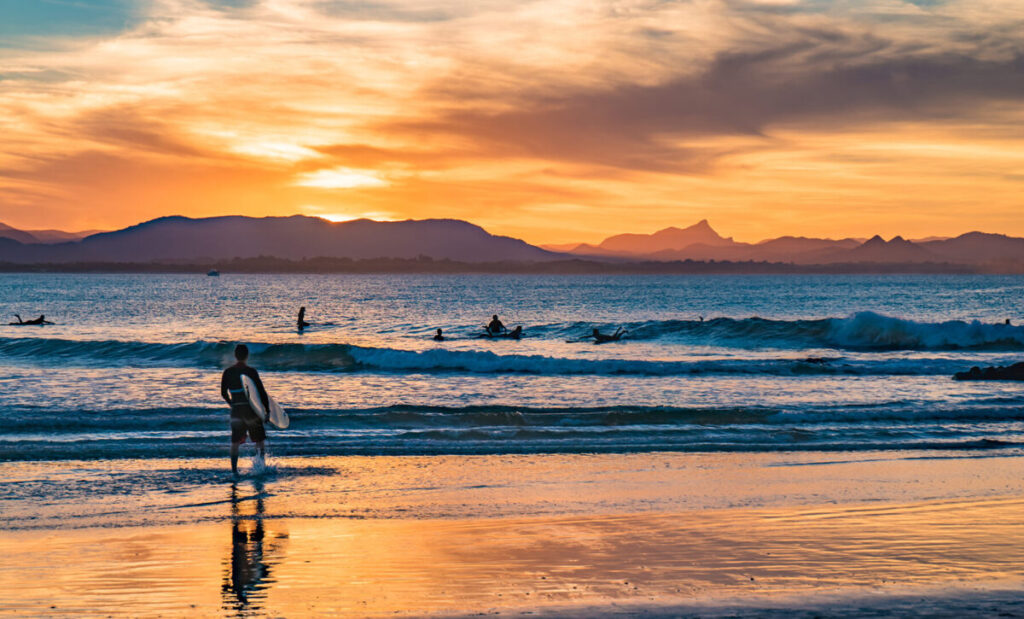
(131,368)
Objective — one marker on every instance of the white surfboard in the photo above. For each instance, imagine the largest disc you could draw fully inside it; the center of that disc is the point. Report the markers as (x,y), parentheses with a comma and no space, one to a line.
(275,416)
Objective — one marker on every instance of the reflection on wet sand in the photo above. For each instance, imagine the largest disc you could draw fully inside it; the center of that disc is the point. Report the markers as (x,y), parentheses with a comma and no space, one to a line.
(248,574)
(839,527)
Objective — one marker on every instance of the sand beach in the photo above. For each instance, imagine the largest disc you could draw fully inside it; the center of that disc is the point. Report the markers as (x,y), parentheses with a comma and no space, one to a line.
(658,534)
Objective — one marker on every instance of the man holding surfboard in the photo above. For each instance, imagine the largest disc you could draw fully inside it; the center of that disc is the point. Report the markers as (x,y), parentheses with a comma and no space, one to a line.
(244,419)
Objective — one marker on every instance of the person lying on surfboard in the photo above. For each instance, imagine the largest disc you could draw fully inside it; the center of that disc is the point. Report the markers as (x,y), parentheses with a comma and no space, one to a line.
(244,420)
(601,338)
(36,321)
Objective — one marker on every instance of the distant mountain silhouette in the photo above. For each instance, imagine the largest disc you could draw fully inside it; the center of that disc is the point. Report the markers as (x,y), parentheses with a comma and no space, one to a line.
(184,239)
(21,236)
(60,236)
(876,249)
(978,247)
(790,248)
(669,239)
(42,236)
(701,243)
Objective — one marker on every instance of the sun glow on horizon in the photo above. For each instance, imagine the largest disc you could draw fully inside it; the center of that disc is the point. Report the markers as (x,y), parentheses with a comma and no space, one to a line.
(336,215)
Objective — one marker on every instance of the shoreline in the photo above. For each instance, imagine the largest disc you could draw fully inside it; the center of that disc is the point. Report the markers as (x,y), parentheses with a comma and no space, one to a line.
(586,535)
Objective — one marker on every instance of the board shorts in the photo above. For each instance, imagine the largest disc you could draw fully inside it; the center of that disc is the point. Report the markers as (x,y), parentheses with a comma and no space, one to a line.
(249,425)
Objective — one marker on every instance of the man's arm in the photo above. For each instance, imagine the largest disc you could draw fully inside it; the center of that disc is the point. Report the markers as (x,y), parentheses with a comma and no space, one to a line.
(224,387)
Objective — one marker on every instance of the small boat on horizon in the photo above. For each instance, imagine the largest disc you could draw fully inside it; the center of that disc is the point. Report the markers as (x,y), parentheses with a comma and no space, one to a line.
(213,273)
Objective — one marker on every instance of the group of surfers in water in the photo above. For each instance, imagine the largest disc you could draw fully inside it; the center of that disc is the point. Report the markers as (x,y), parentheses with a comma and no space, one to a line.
(497,329)
(493,330)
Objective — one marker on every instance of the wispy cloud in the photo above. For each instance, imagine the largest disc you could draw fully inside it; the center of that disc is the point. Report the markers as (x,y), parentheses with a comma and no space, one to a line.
(540,118)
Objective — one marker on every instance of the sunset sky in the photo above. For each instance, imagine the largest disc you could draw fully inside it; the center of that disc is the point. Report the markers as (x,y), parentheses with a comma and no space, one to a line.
(550,120)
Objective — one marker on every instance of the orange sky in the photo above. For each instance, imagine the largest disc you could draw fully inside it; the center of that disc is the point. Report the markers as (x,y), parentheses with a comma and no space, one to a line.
(549,120)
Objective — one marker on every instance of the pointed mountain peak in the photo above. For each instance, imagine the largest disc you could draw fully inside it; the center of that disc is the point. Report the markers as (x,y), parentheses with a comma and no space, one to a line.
(667,239)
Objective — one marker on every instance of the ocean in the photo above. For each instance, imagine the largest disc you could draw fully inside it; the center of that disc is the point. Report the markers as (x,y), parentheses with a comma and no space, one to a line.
(131,368)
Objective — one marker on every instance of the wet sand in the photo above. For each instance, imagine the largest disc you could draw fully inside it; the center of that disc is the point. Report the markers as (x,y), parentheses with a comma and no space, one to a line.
(650,534)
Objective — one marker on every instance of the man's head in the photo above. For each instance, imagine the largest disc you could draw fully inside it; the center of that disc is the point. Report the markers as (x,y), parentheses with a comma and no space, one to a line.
(241,352)
(494,317)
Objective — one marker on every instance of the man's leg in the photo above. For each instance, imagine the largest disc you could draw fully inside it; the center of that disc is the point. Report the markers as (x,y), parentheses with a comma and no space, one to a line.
(234,457)
(260,451)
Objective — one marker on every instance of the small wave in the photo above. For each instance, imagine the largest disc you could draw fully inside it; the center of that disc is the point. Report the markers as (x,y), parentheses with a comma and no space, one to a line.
(42,434)
(350,358)
(45,422)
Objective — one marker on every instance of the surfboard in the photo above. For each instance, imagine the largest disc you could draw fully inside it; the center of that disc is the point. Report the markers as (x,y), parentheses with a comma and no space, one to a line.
(275,416)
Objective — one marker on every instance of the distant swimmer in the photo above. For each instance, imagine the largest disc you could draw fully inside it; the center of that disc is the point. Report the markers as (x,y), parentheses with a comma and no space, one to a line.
(302,324)
(601,338)
(37,321)
(244,420)
(495,326)
(438,337)
(516,333)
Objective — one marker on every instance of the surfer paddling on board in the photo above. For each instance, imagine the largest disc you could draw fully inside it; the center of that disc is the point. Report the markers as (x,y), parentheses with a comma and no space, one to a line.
(35,321)
(601,338)
(244,420)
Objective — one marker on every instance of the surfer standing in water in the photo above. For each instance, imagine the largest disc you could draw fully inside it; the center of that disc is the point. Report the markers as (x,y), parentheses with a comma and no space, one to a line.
(244,421)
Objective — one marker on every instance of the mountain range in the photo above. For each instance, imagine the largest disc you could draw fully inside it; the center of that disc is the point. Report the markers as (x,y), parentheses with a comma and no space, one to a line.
(186,240)
(182,239)
(42,236)
(701,243)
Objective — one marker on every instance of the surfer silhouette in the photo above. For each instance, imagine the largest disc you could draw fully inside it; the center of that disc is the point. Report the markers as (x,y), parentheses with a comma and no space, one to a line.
(244,421)
(302,324)
(438,337)
(35,321)
(601,338)
(495,326)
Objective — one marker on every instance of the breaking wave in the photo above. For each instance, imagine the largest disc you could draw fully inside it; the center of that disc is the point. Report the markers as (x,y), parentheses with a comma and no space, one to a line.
(863,331)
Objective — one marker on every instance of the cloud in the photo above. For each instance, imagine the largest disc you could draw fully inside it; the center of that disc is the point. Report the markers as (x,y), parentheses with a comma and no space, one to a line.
(649,111)
(340,178)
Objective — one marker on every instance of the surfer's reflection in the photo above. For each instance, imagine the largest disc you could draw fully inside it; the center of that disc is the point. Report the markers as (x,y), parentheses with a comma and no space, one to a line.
(249,572)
